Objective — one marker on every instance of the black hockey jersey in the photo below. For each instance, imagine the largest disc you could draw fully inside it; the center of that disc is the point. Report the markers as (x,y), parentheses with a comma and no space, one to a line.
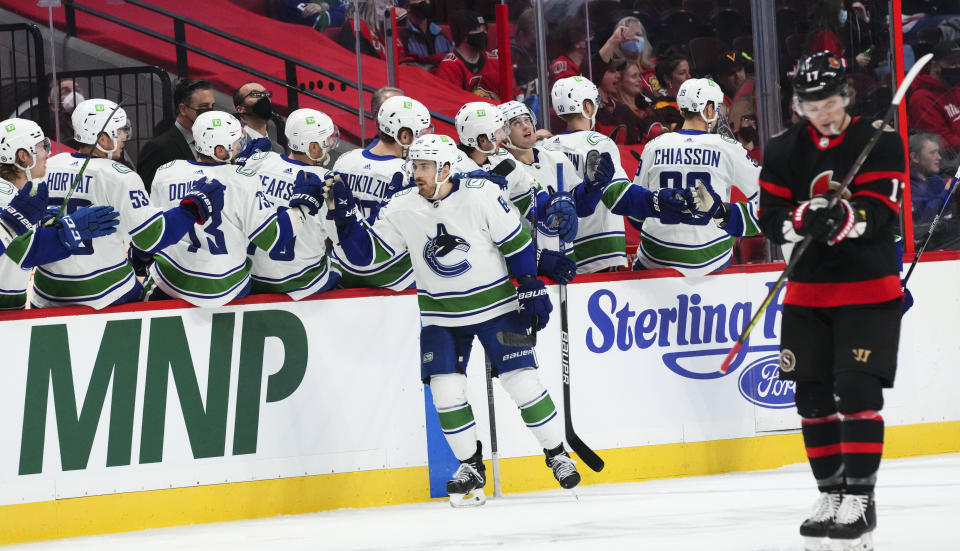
(802,163)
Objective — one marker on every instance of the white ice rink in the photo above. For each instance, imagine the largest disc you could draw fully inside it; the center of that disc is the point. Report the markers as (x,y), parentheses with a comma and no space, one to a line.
(918,501)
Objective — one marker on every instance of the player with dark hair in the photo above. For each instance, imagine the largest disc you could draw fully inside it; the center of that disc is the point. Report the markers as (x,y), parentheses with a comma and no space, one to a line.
(842,307)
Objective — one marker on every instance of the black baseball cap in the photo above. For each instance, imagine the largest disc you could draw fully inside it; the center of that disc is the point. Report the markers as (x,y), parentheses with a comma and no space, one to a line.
(731,60)
(946,49)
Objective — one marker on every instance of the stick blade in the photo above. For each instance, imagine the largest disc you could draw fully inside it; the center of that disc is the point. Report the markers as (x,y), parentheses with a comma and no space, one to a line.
(588,456)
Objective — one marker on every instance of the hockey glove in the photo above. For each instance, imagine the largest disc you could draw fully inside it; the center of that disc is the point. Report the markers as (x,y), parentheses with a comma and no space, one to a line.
(26,209)
(205,200)
(341,205)
(535,306)
(556,266)
(308,191)
(596,178)
(253,147)
(86,223)
(396,185)
(831,225)
(707,203)
(560,213)
(907,300)
(670,206)
(140,261)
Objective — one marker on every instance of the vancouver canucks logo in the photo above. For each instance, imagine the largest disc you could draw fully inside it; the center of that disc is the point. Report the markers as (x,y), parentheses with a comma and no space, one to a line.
(824,183)
(441,246)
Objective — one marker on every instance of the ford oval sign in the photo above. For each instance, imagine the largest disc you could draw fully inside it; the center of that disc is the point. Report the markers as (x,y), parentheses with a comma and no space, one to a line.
(760,384)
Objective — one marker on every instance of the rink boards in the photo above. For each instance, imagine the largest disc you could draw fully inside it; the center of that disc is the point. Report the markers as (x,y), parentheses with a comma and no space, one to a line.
(135,418)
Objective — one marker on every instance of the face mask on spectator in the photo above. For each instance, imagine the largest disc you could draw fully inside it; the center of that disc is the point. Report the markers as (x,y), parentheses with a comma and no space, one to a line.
(950,75)
(478,40)
(262,108)
(843,18)
(71,101)
(423,10)
(633,47)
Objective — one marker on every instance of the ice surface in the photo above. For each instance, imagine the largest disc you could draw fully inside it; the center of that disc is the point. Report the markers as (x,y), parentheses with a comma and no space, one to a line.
(918,500)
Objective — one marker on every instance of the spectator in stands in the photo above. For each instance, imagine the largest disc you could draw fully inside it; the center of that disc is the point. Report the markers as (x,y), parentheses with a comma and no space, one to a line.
(673,69)
(628,41)
(612,116)
(731,74)
(471,65)
(523,52)
(423,40)
(371,38)
(313,13)
(934,103)
(828,19)
(380,96)
(571,36)
(848,31)
(927,188)
(638,116)
(65,97)
(252,103)
(743,122)
(190,98)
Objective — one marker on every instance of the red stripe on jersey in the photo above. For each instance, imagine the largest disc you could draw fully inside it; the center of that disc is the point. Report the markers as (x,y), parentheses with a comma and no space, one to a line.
(825,295)
(776,189)
(823,451)
(865,177)
(885,199)
(858,447)
(819,420)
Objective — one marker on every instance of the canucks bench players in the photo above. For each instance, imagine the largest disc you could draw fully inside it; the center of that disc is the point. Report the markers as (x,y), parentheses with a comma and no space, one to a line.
(23,244)
(698,159)
(463,237)
(302,267)
(209,266)
(374,174)
(101,275)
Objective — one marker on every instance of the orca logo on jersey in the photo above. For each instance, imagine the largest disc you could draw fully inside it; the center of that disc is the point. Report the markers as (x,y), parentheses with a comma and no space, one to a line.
(442,245)
(824,183)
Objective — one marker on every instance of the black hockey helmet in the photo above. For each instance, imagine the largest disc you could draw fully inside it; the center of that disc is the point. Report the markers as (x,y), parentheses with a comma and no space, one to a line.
(819,76)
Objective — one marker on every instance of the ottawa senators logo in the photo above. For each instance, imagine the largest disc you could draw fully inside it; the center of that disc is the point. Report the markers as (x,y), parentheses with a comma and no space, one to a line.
(824,183)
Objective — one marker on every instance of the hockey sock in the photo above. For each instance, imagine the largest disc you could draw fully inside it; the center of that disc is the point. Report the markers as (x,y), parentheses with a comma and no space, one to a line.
(862,447)
(536,406)
(456,415)
(822,437)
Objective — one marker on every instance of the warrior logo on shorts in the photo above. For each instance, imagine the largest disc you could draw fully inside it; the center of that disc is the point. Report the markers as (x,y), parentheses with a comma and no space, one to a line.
(787,360)
(442,245)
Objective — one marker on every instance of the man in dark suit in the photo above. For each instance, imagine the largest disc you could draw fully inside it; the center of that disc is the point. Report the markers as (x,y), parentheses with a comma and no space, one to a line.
(191,97)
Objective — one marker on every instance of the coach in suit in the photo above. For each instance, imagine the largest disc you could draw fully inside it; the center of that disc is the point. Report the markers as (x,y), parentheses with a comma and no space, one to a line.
(191,97)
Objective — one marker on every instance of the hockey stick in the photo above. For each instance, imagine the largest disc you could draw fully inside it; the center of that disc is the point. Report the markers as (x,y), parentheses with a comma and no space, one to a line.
(578,446)
(933,225)
(805,244)
(494,456)
(507,338)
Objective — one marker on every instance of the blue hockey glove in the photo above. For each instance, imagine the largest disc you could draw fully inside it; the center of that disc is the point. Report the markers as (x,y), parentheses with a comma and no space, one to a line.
(907,300)
(535,306)
(205,200)
(597,176)
(556,266)
(307,191)
(560,213)
(252,148)
(670,206)
(341,205)
(87,223)
(396,185)
(26,209)
(704,202)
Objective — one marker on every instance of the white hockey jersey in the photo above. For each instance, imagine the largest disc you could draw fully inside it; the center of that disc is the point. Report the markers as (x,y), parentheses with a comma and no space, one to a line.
(209,266)
(100,273)
(601,242)
(302,267)
(458,247)
(680,159)
(544,171)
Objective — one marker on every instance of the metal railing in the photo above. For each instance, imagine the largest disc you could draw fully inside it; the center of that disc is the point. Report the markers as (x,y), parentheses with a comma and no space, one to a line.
(23,90)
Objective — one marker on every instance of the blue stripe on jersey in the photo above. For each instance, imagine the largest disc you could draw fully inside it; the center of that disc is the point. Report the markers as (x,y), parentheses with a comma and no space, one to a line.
(509,237)
(265,224)
(467,292)
(599,258)
(468,314)
(148,221)
(290,276)
(378,267)
(380,240)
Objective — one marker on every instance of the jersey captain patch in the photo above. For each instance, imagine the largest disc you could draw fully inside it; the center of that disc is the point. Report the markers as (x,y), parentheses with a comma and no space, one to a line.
(441,246)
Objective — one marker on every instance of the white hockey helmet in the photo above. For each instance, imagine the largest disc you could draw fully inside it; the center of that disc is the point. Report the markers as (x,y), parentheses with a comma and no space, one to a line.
(696,93)
(511,110)
(91,115)
(218,128)
(568,94)
(398,112)
(17,134)
(438,148)
(306,126)
(479,118)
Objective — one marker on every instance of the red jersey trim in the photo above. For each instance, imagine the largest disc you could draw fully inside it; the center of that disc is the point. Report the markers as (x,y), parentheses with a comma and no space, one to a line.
(775,189)
(824,143)
(865,177)
(885,199)
(825,295)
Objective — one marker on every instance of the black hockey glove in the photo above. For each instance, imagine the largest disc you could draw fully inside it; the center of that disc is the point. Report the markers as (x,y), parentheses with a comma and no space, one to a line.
(831,225)
(535,306)
(26,209)
(205,200)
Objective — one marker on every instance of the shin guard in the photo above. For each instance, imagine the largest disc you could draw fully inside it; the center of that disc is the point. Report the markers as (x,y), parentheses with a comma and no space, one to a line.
(536,406)
(456,415)
(862,447)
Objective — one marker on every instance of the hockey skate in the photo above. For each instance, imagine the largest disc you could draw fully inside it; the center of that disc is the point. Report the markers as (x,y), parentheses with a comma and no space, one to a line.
(852,530)
(466,487)
(814,529)
(564,468)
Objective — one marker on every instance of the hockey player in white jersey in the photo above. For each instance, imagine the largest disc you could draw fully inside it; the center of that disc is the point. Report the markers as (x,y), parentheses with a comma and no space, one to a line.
(209,266)
(100,274)
(23,244)
(708,165)
(463,237)
(302,267)
(374,174)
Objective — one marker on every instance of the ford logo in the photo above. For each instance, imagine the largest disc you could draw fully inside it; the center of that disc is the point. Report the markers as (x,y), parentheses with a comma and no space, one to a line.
(760,384)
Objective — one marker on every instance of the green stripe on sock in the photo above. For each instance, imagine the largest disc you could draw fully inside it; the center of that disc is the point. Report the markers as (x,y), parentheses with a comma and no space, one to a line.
(455,419)
(535,413)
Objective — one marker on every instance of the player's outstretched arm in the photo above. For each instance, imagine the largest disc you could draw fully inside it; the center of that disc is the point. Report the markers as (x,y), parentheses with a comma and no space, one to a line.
(599,173)
(167,227)
(353,236)
(25,210)
(668,204)
(737,219)
(50,244)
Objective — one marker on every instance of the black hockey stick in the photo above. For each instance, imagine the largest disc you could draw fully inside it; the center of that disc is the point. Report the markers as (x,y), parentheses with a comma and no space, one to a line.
(494,455)
(587,455)
(805,244)
(507,338)
(933,225)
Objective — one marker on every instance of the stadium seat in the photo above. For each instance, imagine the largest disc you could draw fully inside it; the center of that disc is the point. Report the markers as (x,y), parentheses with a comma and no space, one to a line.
(729,24)
(703,53)
(744,43)
(793,46)
(702,9)
(678,27)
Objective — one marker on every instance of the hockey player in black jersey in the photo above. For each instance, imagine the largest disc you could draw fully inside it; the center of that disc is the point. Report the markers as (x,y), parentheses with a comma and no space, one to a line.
(841,313)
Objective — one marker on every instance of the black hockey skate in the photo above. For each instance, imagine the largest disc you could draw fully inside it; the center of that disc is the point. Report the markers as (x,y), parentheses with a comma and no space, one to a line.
(814,529)
(466,487)
(564,468)
(853,527)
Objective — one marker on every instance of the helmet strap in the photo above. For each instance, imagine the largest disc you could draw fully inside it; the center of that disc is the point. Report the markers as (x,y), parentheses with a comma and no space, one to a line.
(27,169)
(323,160)
(109,153)
(484,151)
(436,190)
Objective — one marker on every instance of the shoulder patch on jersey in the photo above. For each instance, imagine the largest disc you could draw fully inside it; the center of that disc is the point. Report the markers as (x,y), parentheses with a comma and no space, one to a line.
(6,188)
(886,127)
(403,192)
(493,54)
(244,171)
(558,67)
(728,139)
(593,138)
(121,168)
(260,155)
(166,165)
(475,182)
